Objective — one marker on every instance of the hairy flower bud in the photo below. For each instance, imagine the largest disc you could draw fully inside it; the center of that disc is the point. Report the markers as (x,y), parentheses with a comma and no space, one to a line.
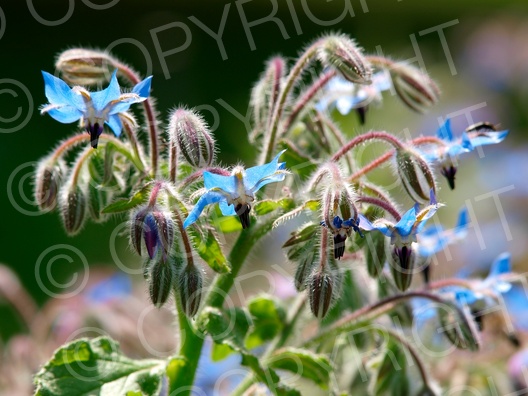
(48,180)
(191,134)
(155,227)
(190,289)
(161,280)
(415,173)
(415,88)
(73,209)
(320,292)
(342,54)
(81,66)
(459,327)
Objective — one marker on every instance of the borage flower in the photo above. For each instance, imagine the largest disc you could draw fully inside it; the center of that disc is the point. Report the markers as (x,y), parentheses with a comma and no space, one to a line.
(402,236)
(446,155)
(341,229)
(345,95)
(93,109)
(235,192)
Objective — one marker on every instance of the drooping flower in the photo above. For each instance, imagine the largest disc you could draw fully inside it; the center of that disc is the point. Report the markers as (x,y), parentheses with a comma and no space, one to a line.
(93,109)
(235,193)
(345,95)
(446,155)
(402,236)
(341,229)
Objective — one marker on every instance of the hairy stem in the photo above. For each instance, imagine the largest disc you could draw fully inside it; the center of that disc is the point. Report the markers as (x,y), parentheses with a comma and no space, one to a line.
(375,135)
(385,205)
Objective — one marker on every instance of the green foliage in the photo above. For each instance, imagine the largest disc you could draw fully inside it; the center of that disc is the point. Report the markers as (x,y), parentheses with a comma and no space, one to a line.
(209,249)
(97,367)
(267,317)
(126,204)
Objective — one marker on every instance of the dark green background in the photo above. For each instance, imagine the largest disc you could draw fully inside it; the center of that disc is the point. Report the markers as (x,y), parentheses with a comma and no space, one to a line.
(199,76)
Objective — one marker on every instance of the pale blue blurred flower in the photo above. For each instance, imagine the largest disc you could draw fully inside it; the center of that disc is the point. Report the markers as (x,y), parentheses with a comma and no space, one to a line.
(235,192)
(93,109)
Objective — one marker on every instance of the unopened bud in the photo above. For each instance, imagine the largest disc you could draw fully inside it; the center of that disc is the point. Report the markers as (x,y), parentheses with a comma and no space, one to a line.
(48,180)
(191,134)
(321,286)
(415,88)
(151,235)
(73,209)
(342,53)
(304,268)
(81,66)
(136,229)
(190,289)
(415,173)
(459,327)
(161,280)
(401,261)
(166,229)
(155,227)
(375,253)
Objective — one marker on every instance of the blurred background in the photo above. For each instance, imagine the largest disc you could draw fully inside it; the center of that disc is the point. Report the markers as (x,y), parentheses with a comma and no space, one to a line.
(476,51)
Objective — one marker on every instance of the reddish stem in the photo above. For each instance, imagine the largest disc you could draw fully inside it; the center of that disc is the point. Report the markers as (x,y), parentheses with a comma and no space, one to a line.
(386,206)
(376,135)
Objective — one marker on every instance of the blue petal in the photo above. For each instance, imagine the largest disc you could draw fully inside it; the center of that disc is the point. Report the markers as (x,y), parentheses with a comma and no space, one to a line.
(226,209)
(457,149)
(465,297)
(208,198)
(466,142)
(114,122)
(59,93)
(143,87)
(338,223)
(404,227)
(484,138)
(501,265)
(258,176)
(366,225)
(115,286)
(101,98)
(462,223)
(65,115)
(345,103)
(445,132)
(225,183)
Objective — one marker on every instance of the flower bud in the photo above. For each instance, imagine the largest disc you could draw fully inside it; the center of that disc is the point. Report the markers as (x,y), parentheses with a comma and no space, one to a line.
(375,253)
(190,289)
(136,229)
(320,293)
(73,209)
(415,88)
(191,134)
(401,261)
(155,227)
(48,180)
(161,280)
(459,327)
(81,66)
(304,268)
(416,175)
(342,53)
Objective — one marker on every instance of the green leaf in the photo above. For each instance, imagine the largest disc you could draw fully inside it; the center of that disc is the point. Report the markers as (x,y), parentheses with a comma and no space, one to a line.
(228,327)
(391,377)
(297,161)
(137,199)
(302,235)
(225,223)
(268,320)
(97,367)
(209,250)
(315,367)
(268,205)
(267,376)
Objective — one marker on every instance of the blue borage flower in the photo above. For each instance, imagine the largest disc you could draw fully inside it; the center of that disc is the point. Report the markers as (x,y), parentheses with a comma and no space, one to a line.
(445,155)
(235,192)
(403,233)
(341,229)
(434,238)
(93,109)
(345,95)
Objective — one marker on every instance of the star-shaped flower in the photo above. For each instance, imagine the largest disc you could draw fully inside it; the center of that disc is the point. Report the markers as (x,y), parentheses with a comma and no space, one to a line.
(93,109)
(341,229)
(446,155)
(237,191)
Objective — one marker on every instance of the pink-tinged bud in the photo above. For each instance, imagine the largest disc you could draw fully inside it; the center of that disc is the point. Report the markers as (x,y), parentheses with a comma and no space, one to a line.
(81,66)
(161,280)
(459,327)
(73,209)
(166,229)
(151,235)
(401,261)
(342,54)
(190,289)
(48,180)
(320,292)
(415,88)
(136,229)
(415,174)
(155,228)
(191,134)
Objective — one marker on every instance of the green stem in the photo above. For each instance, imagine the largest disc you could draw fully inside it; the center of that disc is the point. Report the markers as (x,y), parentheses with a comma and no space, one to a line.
(279,107)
